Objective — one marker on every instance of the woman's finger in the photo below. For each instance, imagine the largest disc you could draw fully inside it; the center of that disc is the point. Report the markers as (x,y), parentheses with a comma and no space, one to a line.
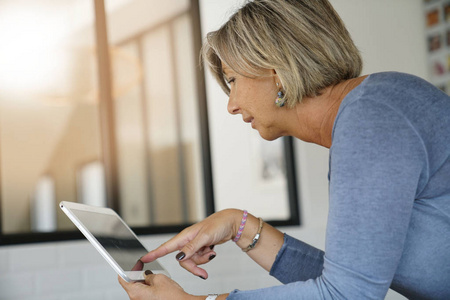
(149,279)
(123,283)
(192,267)
(201,240)
(132,288)
(191,264)
(205,249)
(203,257)
(188,241)
(172,245)
(216,229)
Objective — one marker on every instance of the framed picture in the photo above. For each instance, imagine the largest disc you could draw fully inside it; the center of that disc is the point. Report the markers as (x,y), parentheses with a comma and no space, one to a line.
(437,30)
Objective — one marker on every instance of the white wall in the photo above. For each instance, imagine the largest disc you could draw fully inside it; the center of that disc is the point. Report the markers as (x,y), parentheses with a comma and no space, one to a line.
(390,34)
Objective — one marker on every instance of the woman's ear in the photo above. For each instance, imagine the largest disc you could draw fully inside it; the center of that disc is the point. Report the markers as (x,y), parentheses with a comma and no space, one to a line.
(275,75)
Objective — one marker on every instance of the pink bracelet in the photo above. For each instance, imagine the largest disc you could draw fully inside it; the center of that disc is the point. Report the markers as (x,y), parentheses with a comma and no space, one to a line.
(241,227)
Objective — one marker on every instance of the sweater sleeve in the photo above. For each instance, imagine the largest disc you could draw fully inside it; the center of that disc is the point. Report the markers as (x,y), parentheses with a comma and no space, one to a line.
(297,261)
(376,164)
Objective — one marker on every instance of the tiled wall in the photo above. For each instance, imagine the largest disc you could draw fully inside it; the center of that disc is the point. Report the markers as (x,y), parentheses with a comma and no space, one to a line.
(74,270)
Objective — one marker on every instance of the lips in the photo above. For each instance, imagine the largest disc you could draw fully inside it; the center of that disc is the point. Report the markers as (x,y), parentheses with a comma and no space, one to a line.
(248,120)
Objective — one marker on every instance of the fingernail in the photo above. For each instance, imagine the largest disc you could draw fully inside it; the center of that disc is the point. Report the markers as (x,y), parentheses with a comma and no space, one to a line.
(211,247)
(180,256)
(148,272)
(202,277)
(211,257)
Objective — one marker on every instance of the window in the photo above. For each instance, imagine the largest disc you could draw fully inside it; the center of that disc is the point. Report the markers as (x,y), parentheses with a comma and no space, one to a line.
(92,111)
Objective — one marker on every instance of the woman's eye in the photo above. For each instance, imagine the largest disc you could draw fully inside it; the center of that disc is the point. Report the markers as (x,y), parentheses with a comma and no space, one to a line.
(232,79)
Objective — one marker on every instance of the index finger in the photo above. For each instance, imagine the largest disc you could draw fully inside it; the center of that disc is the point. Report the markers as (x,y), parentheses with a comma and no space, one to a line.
(172,245)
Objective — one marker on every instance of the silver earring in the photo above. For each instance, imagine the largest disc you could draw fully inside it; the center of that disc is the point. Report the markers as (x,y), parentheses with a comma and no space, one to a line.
(280,101)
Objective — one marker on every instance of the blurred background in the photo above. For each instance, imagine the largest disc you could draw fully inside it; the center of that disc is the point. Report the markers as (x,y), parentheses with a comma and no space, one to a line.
(59,140)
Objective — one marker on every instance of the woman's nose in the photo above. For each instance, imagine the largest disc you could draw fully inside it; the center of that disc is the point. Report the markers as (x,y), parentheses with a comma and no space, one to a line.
(232,107)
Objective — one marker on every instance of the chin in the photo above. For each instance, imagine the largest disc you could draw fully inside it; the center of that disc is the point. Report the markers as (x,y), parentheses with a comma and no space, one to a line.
(269,136)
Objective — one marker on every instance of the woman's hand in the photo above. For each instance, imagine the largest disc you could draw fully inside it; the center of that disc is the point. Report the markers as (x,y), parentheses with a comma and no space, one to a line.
(156,287)
(196,242)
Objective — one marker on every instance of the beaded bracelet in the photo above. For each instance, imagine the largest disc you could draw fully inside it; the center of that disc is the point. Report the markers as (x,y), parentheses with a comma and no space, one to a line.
(241,227)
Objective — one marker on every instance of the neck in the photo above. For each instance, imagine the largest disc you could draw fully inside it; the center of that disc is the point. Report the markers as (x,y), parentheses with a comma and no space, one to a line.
(316,115)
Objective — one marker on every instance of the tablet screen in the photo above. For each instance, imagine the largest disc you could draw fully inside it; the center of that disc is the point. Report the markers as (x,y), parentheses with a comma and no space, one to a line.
(117,240)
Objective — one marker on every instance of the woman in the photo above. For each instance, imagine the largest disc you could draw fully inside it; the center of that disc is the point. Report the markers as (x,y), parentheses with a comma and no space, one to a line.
(291,68)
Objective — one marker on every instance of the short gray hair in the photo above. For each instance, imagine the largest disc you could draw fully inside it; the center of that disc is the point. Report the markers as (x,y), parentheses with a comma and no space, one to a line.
(304,41)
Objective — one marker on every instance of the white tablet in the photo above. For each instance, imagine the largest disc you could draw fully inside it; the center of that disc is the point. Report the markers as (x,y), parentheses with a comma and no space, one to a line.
(112,237)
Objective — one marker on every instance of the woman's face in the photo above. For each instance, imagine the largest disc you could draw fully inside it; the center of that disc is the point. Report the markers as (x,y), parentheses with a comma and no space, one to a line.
(254,99)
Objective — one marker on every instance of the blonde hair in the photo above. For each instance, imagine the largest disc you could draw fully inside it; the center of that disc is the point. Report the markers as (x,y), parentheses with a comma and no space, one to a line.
(304,41)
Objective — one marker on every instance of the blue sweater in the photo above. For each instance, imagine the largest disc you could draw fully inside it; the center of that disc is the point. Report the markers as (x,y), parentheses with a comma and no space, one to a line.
(389,212)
